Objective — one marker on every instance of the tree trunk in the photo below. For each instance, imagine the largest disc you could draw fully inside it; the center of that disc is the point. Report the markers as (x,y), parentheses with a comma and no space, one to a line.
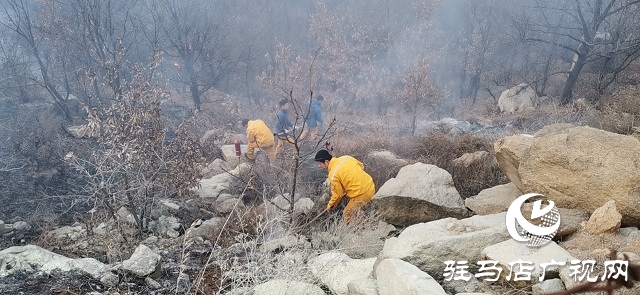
(193,83)
(474,85)
(567,91)
(414,118)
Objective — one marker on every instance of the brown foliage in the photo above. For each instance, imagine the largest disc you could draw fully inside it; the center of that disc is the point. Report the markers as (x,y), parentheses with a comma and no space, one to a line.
(435,148)
(137,162)
(441,149)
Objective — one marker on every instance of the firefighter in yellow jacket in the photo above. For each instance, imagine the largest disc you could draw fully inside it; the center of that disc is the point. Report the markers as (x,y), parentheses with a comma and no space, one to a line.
(347,178)
(259,136)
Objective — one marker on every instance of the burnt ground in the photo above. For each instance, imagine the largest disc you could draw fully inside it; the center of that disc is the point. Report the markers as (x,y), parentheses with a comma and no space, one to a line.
(74,282)
(57,283)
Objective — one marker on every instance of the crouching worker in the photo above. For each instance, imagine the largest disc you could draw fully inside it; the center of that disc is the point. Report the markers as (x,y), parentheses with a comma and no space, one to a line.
(347,178)
(259,136)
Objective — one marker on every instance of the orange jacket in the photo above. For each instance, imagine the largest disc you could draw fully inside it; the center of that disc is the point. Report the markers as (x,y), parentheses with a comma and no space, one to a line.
(348,178)
(258,134)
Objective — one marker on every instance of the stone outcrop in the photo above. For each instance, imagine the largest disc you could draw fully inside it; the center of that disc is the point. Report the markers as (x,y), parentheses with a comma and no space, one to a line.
(428,245)
(419,193)
(576,167)
(493,200)
(605,219)
(517,98)
(399,277)
(336,270)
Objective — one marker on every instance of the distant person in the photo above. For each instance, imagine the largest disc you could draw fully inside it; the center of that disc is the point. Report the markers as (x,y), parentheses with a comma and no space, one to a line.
(259,136)
(347,178)
(314,118)
(284,127)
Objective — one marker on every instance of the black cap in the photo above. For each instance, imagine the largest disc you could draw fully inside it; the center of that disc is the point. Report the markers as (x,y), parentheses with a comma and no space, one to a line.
(322,155)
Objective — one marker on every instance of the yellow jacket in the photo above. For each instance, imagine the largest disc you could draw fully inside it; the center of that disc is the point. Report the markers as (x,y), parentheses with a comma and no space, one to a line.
(348,178)
(258,134)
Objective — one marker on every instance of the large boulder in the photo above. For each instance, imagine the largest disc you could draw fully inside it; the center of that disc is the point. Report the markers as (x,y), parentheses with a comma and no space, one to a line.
(493,200)
(509,252)
(509,152)
(419,193)
(480,158)
(142,262)
(576,167)
(218,166)
(33,258)
(517,98)
(428,245)
(399,277)
(336,270)
(605,219)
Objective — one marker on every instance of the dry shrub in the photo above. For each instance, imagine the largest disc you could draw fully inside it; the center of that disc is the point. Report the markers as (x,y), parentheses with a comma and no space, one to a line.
(580,112)
(381,169)
(435,148)
(360,145)
(211,150)
(35,130)
(363,237)
(587,87)
(218,110)
(620,112)
(441,149)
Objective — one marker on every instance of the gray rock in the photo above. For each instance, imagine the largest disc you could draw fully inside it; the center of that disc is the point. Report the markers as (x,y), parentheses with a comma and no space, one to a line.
(428,245)
(400,277)
(286,287)
(218,166)
(419,193)
(3,228)
(363,287)
(547,287)
(152,283)
(336,270)
(511,250)
(110,280)
(493,200)
(34,258)
(142,262)
(21,226)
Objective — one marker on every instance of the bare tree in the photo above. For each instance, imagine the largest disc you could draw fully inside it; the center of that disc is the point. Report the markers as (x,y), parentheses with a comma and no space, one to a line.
(479,44)
(18,17)
(197,34)
(136,162)
(15,75)
(92,40)
(418,92)
(593,31)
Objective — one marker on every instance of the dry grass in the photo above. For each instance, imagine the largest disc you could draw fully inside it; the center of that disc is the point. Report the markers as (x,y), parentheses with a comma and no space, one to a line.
(435,148)
(240,259)
(441,149)
(620,112)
